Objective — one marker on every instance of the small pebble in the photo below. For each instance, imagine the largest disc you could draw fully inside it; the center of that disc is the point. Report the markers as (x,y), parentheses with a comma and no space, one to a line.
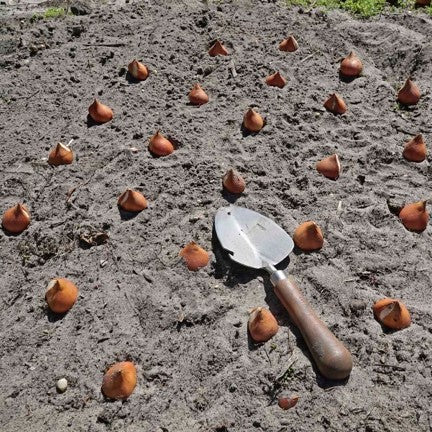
(62,385)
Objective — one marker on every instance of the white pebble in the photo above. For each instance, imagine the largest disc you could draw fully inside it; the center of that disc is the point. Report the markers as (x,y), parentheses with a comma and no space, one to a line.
(62,384)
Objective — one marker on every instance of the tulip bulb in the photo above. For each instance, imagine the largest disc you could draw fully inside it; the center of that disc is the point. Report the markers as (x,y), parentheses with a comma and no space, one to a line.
(308,236)
(60,155)
(335,104)
(160,146)
(194,256)
(198,96)
(414,216)
(415,149)
(276,80)
(218,49)
(119,380)
(409,94)
(351,66)
(423,2)
(99,112)
(61,295)
(132,201)
(329,167)
(262,324)
(138,70)
(392,313)
(233,182)
(16,219)
(289,45)
(287,402)
(252,121)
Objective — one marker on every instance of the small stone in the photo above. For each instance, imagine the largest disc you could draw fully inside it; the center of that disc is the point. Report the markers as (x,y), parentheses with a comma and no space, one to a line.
(62,385)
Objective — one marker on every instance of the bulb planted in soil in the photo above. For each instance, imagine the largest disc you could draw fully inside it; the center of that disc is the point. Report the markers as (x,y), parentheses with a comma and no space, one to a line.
(252,121)
(119,380)
(132,201)
(138,70)
(335,104)
(262,324)
(392,313)
(409,94)
(99,112)
(289,44)
(60,155)
(276,80)
(198,96)
(287,402)
(414,216)
(218,49)
(194,256)
(415,149)
(16,219)
(160,146)
(308,236)
(329,167)
(233,182)
(351,66)
(61,295)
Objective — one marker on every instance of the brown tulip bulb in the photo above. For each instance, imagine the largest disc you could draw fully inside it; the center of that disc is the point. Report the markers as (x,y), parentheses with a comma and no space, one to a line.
(132,201)
(409,94)
(335,104)
(233,182)
(218,49)
(415,149)
(392,313)
(160,146)
(351,66)
(119,380)
(276,80)
(262,324)
(287,402)
(60,155)
(99,112)
(289,45)
(194,256)
(198,96)
(138,70)
(414,216)
(308,236)
(329,167)
(252,121)
(422,3)
(61,295)
(16,219)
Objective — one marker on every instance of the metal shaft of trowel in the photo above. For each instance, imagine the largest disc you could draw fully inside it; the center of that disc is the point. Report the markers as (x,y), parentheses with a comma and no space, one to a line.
(275,274)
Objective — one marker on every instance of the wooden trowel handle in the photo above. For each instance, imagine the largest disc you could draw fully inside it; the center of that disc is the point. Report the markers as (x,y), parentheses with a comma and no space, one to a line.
(332,358)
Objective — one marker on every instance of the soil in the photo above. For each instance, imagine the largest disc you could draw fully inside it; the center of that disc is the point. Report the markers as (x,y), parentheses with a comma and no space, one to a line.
(187,331)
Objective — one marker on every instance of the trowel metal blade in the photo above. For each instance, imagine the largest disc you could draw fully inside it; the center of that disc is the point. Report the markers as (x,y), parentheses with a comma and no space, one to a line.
(251,239)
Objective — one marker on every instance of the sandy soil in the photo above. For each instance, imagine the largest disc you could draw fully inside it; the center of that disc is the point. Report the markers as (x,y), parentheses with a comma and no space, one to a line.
(187,331)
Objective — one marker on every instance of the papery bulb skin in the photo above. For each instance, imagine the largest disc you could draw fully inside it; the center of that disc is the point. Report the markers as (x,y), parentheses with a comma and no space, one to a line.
(60,155)
(288,402)
(233,182)
(415,150)
(262,325)
(335,104)
(409,94)
(329,167)
(160,146)
(198,96)
(218,49)
(138,70)
(351,66)
(308,236)
(119,380)
(414,216)
(392,313)
(194,256)
(99,112)
(132,201)
(289,45)
(252,121)
(61,295)
(16,219)
(276,80)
